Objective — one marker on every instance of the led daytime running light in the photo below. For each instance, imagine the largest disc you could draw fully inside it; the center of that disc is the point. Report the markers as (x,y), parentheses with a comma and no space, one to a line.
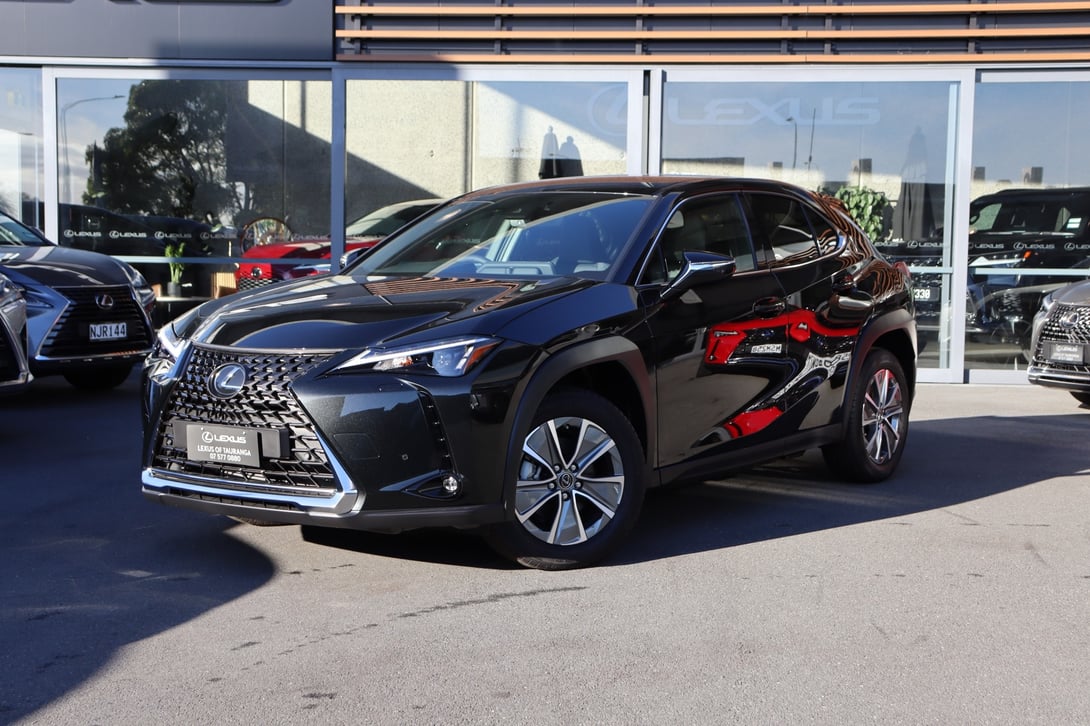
(445,358)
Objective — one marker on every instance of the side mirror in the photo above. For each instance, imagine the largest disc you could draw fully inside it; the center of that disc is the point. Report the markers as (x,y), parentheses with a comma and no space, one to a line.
(699,268)
(352,255)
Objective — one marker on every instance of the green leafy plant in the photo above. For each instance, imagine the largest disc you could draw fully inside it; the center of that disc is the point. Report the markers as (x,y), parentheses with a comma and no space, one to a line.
(175,249)
(867,207)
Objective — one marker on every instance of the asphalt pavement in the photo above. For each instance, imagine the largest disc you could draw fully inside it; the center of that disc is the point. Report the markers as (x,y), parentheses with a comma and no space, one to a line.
(956,592)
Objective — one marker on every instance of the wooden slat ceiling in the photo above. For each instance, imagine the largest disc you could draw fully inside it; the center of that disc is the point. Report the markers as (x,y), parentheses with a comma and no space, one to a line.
(631,31)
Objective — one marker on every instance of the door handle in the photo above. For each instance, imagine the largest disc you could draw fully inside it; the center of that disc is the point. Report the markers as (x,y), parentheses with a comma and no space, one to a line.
(769,307)
(843,282)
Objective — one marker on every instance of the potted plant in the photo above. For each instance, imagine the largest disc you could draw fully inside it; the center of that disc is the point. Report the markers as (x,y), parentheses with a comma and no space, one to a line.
(173,250)
(867,207)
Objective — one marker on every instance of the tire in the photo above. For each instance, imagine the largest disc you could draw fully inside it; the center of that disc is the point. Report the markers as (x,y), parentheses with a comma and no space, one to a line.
(579,485)
(99,378)
(1082,397)
(876,426)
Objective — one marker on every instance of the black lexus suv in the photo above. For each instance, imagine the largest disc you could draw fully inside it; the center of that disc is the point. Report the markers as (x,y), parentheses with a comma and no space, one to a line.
(1021,243)
(528,359)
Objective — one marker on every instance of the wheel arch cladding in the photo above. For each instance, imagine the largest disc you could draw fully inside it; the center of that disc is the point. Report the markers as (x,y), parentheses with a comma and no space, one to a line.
(894,332)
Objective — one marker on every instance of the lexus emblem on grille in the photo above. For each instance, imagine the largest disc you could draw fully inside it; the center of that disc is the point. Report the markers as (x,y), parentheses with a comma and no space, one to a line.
(227,380)
(105,301)
(1069,319)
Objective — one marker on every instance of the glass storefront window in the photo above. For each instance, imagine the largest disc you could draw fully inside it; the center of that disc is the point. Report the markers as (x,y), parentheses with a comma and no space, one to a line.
(466,135)
(199,171)
(1030,215)
(21,161)
(883,141)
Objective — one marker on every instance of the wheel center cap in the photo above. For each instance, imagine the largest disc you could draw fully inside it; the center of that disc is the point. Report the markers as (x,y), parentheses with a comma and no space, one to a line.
(567,480)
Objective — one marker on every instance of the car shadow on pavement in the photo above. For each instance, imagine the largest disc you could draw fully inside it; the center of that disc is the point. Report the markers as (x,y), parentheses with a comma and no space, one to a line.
(89,566)
(946,462)
(437,546)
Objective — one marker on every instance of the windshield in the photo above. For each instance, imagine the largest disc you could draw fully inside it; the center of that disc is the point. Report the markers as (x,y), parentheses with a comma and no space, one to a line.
(535,235)
(389,219)
(16,234)
(1025,216)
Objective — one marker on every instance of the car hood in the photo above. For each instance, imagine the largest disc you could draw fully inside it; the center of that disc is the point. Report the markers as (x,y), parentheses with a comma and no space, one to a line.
(341,312)
(1076,294)
(60,267)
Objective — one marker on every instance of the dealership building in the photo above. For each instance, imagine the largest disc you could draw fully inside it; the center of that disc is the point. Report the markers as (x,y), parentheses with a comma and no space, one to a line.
(127,124)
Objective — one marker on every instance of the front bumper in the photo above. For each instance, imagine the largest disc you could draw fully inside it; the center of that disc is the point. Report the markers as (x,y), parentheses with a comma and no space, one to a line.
(60,333)
(1062,325)
(341,509)
(1058,379)
(367,452)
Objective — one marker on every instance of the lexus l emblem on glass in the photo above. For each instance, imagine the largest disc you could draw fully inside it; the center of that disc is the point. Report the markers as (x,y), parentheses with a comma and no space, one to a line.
(227,380)
(105,301)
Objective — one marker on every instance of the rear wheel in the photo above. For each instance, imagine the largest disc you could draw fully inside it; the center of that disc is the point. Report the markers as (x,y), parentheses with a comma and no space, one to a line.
(99,378)
(876,428)
(1082,397)
(579,485)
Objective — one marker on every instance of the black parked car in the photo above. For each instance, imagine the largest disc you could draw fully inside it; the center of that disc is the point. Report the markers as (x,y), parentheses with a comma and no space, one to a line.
(1061,341)
(87,313)
(528,359)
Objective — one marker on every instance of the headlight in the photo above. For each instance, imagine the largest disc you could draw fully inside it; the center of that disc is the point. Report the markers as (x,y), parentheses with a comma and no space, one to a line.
(1047,302)
(134,275)
(172,337)
(7,287)
(452,357)
(42,298)
(139,283)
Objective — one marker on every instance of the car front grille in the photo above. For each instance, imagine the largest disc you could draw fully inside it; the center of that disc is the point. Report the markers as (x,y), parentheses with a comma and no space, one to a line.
(70,337)
(265,402)
(252,283)
(1077,330)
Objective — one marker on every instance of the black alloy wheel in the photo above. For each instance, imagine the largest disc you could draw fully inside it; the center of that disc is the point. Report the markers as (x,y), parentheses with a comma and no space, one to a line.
(579,486)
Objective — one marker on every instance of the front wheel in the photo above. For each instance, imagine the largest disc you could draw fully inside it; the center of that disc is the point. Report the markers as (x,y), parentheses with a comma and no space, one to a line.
(579,485)
(876,426)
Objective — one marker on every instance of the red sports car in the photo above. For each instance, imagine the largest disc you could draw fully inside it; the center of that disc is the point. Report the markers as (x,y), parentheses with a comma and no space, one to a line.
(310,255)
